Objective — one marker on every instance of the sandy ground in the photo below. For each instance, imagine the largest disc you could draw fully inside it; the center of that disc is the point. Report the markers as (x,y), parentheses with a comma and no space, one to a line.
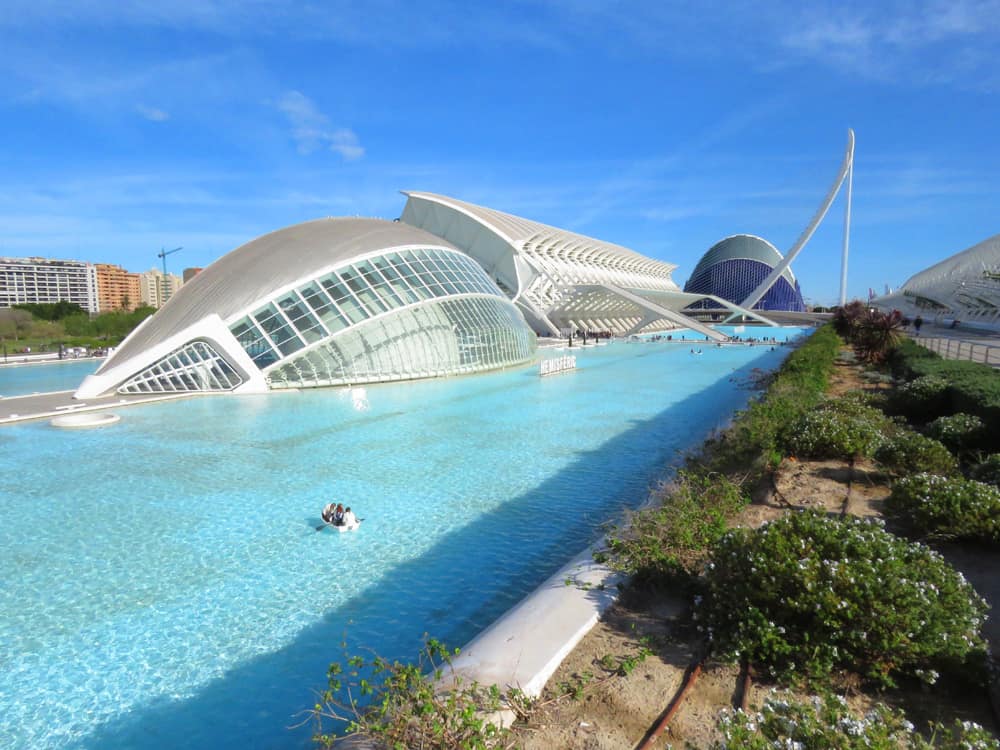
(588,705)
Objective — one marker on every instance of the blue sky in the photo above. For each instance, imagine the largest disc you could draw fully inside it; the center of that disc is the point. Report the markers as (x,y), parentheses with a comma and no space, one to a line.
(133,126)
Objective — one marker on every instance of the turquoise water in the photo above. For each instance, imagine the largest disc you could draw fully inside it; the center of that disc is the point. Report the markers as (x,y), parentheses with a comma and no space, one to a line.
(163,584)
(21,380)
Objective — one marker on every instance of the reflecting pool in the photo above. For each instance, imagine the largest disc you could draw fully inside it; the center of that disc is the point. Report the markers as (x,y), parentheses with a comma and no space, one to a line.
(163,584)
(21,380)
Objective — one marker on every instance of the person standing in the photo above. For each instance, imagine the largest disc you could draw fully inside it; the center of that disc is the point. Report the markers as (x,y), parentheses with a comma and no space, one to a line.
(918,321)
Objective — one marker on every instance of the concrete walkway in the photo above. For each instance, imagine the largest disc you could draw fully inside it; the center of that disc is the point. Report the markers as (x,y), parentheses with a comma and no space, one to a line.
(14,409)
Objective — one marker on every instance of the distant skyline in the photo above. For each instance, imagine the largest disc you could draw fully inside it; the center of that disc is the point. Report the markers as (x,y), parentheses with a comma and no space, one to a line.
(131,127)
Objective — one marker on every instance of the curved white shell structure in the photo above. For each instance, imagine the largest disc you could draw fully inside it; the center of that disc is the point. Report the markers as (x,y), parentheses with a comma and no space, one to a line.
(327,302)
(965,287)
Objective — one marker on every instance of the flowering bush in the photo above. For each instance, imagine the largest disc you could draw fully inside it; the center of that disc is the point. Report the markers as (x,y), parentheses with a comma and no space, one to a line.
(921,399)
(808,594)
(988,471)
(839,428)
(959,432)
(947,506)
(828,723)
(906,452)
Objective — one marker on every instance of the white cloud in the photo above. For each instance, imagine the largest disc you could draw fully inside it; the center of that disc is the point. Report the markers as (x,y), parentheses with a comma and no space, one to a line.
(152,113)
(312,130)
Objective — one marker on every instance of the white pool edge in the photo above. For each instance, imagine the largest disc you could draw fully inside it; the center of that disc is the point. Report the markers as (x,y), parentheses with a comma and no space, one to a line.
(525,646)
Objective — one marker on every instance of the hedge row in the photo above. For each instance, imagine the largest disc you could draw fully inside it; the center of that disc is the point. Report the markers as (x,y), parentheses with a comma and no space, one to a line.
(940,387)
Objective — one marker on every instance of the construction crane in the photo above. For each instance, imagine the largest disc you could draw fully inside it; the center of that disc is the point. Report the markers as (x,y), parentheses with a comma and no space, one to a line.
(164,293)
(163,254)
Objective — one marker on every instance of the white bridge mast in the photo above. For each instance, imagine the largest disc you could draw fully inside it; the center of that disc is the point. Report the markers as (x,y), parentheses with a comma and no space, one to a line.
(846,172)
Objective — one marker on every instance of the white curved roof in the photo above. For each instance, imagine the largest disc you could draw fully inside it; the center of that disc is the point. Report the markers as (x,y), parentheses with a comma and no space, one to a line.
(245,275)
(534,237)
(743,247)
(967,283)
(560,280)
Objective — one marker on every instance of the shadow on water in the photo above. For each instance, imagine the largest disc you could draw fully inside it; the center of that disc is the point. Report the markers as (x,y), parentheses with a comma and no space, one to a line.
(254,704)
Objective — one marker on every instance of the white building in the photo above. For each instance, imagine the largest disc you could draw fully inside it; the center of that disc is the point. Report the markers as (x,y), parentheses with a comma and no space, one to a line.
(963,287)
(43,280)
(327,302)
(561,280)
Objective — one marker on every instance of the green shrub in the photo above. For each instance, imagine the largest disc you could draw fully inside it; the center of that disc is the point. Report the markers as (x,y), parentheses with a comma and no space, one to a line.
(947,506)
(921,400)
(797,386)
(669,541)
(402,705)
(988,470)
(959,432)
(907,452)
(809,593)
(905,357)
(839,428)
(828,723)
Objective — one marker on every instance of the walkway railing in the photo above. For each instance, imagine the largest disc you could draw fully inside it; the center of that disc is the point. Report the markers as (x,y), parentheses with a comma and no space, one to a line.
(958,349)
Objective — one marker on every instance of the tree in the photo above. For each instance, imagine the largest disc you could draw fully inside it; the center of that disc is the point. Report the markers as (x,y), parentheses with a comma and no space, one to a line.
(52,310)
(15,322)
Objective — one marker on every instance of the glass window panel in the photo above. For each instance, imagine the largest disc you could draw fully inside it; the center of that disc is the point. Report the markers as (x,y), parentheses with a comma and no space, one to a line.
(363,291)
(320,302)
(432,283)
(344,299)
(399,285)
(293,307)
(380,283)
(335,288)
(303,320)
(407,272)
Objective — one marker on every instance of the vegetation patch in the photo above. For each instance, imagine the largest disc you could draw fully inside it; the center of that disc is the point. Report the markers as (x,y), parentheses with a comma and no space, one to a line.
(840,428)
(988,470)
(950,507)
(906,452)
(961,433)
(403,705)
(920,400)
(827,722)
(668,542)
(809,594)
(872,333)
(752,445)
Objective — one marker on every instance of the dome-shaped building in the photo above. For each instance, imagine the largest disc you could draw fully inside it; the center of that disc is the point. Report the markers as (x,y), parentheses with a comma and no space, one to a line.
(735,266)
(327,302)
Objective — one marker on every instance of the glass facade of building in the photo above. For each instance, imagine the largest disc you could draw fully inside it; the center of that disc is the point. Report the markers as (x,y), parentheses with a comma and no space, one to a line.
(447,337)
(735,278)
(195,367)
(301,337)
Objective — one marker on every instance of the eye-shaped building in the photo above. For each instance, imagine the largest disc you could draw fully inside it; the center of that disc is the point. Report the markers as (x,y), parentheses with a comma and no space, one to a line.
(327,302)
